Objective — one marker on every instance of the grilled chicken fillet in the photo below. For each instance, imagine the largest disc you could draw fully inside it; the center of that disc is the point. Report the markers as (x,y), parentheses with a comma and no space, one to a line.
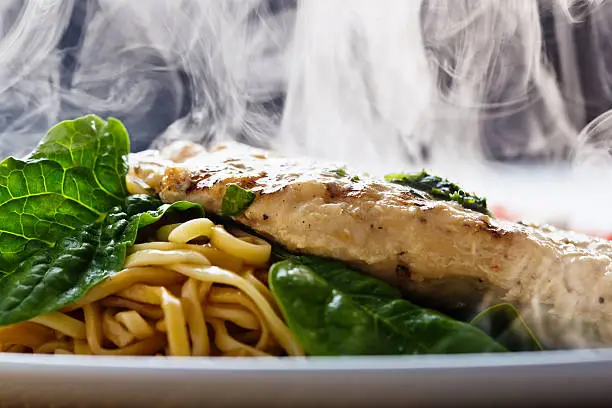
(563,280)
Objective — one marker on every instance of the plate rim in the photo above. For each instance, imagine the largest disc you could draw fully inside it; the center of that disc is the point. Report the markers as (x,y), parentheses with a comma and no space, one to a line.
(601,357)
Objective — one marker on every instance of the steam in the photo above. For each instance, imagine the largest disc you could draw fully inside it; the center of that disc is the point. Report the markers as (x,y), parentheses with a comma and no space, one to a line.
(410,82)
(594,151)
(359,82)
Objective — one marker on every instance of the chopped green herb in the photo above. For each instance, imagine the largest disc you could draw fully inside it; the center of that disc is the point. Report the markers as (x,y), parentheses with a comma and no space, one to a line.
(341,172)
(440,188)
(236,200)
(355,179)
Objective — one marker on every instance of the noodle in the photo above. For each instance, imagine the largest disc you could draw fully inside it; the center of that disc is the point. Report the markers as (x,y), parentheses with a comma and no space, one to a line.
(150,311)
(233,296)
(63,324)
(215,256)
(114,331)
(135,324)
(228,344)
(53,346)
(156,257)
(235,314)
(173,298)
(30,335)
(202,227)
(95,337)
(176,326)
(256,252)
(195,318)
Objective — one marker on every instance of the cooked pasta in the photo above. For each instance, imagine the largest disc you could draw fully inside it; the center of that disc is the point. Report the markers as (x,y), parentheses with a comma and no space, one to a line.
(173,298)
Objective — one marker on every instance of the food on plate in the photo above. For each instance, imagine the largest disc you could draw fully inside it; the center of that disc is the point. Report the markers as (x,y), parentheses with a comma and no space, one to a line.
(238,252)
(417,232)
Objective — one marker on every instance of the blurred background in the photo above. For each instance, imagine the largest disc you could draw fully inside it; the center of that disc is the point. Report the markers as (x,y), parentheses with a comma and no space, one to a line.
(509,96)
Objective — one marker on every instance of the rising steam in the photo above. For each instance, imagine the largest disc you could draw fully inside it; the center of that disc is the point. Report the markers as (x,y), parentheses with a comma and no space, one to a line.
(405,83)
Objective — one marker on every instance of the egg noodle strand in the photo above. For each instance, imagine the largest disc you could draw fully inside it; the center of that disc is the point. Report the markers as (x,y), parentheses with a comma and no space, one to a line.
(173,298)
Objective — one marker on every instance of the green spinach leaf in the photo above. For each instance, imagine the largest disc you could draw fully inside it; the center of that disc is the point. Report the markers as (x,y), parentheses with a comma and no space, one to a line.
(440,188)
(58,276)
(339,172)
(76,175)
(91,143)
(334,310)
(504,323)
(236,200)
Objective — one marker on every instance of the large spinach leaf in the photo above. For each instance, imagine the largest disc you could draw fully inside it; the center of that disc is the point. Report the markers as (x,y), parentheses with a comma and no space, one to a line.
(93,144)
(76,175)
(58,276)
(333,310)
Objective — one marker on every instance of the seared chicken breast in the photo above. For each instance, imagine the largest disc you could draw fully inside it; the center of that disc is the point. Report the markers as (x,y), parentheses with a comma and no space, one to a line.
(562,280)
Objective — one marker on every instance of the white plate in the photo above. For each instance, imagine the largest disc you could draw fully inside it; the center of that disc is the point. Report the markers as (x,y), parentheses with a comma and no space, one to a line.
(580,378)
(530,379)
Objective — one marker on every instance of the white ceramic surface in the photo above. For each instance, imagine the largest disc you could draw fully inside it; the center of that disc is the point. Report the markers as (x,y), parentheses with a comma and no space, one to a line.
(525,379)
